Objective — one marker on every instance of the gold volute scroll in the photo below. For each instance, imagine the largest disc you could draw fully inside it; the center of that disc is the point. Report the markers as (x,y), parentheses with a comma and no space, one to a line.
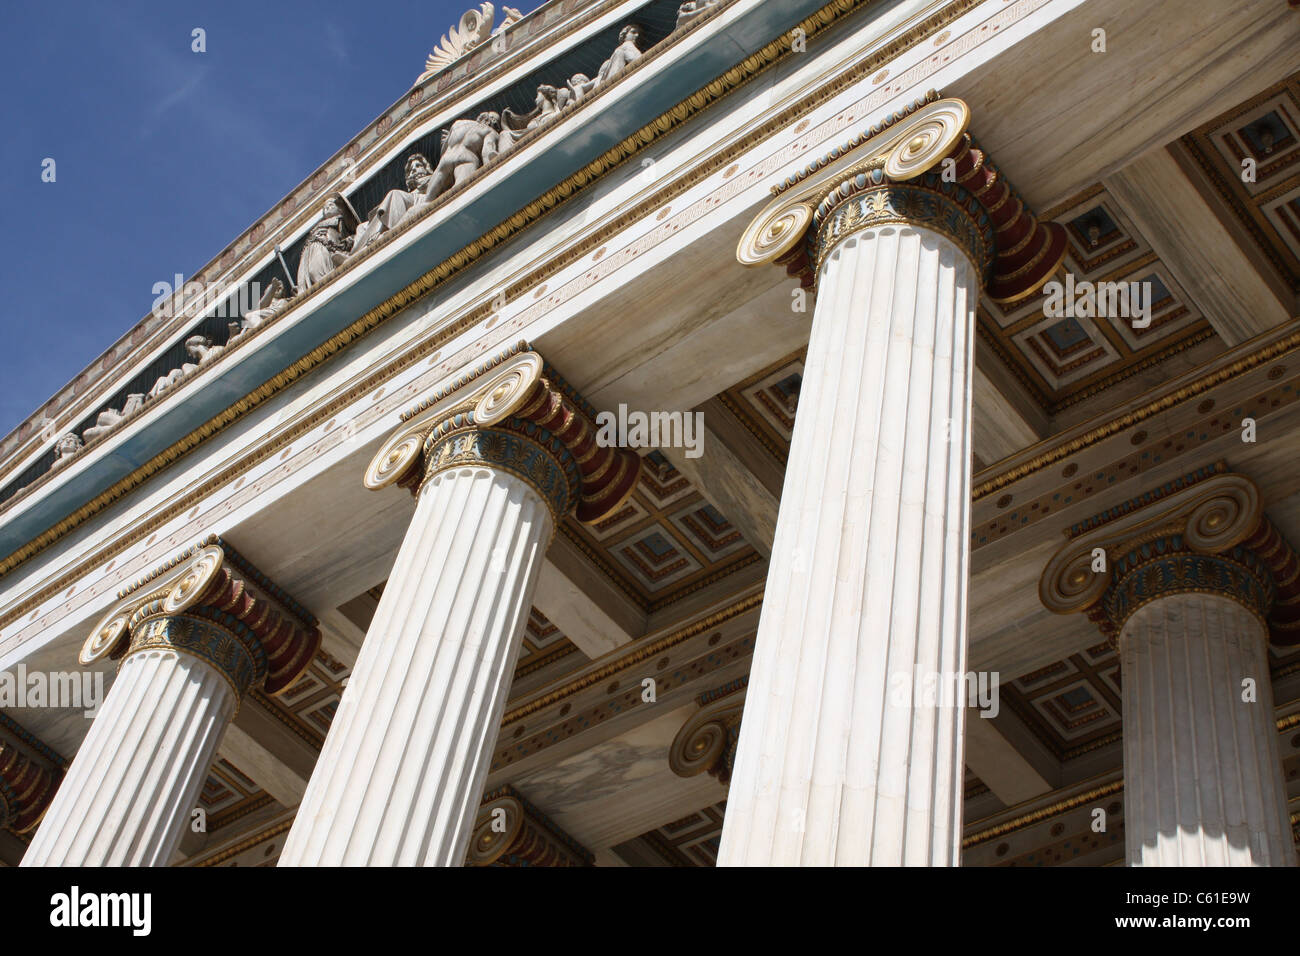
(492,396)
(907,149)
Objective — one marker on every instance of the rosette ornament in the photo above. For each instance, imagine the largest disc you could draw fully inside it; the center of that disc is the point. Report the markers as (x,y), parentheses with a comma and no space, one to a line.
(707,741)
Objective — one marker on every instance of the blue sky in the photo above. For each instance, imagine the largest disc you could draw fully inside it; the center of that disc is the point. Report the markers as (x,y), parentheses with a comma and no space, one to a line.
(164,155)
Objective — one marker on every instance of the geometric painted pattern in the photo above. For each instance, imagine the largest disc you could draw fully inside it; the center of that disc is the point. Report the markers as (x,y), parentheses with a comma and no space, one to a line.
(1071,705)
(1063,358)
(311,701)
(665,542)
(691,841)
(228,794)
(543,644)
(1265,129)
(765,403)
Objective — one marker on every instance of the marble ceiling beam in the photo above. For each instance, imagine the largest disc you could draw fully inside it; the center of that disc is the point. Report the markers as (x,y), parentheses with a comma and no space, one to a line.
(999,764)
(726,482)
(1005,418)
(1193,239)
(1094,113)
(269,753)
(581,619)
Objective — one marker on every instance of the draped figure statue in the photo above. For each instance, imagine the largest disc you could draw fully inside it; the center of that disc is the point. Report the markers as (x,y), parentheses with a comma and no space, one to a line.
(328,243)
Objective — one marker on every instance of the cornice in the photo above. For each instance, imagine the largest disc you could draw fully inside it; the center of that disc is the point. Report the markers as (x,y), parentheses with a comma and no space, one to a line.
(772,53)
(388,135)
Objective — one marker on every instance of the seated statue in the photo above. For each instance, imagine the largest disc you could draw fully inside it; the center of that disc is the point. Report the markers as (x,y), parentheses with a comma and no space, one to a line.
(272,303)
(110,418)
(201,349)
(67,448)
(624,54)
(467,146)
(328,243)
(550,101)
(394,206)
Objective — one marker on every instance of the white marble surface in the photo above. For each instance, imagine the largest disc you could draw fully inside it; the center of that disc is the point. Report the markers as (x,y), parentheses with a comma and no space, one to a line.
(402,770)
(1202,774)
(129,792)
(868,573)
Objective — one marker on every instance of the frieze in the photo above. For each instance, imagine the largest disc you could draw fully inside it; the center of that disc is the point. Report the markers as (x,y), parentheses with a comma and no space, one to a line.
(730,185)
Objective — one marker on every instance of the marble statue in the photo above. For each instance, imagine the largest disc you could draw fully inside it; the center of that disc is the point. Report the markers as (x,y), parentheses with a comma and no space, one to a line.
(394,206)
(467,146)
(579,88)
(67,448)
(691,9)
(626,53)
(110,418)
(328,243)
(201,349)
(272,303)
(550,101)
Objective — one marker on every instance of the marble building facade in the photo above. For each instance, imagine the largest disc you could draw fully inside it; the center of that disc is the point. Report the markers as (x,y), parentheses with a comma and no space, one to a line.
(990,310)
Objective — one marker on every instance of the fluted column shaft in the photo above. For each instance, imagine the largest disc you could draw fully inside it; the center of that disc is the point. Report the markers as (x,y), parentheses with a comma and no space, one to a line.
(866,592)
(1203,782)
(401,775)
(193,635)
(128,795)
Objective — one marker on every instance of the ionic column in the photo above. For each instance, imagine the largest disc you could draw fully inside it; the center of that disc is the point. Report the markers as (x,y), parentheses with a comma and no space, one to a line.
(511,832)
(193,637)
(1191,586)
(26,787)
(496,461)
(866,592)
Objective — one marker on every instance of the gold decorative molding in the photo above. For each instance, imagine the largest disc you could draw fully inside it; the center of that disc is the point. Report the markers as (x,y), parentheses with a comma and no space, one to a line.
(1041,814)
(1057,451)
(235,849)
(775,52)
(637,655)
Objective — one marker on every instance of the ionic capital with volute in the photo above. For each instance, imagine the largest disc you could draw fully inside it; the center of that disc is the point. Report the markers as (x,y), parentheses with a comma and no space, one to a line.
(921,168)
(209,602)
(1204,533)
(514,414)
